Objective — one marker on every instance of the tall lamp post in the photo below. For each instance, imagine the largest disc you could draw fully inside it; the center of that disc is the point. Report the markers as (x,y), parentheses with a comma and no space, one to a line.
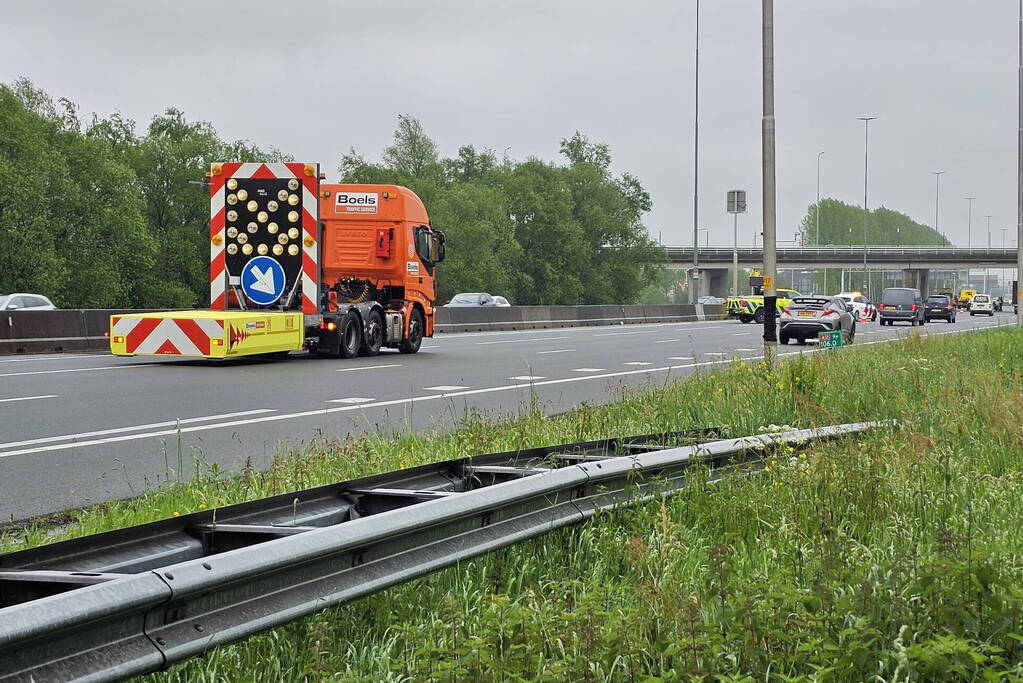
(866,137)
(693,293)
(1016,294)
(988,248)
(937,180)
(767,125)
(817,211)
(969,221)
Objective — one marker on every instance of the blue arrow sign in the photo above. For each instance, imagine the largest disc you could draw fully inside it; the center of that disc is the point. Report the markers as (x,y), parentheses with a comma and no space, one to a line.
(263,280)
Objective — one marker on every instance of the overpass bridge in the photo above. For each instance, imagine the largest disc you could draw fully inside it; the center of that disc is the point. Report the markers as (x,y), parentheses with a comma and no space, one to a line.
(914,262)
(930,258)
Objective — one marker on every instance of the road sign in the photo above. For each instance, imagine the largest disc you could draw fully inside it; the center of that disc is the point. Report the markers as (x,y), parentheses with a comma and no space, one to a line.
(737,201)
(768,282)
(829,340)
(263,280)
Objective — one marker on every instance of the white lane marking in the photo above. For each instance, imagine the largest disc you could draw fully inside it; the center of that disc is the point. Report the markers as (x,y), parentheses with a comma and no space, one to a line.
(526,378)
(323,412)
(691,325)
(747,350)
(587,369)
(714,353)
(637,362)
(621,334)
(353,400)
(666,341)
(104,432)
(445,387)
(701,328)
(369,367)
(681,358)
(558,351)
(516,341)
(31,358)
(434,346)
(26,398)
(54,372)
(744,334)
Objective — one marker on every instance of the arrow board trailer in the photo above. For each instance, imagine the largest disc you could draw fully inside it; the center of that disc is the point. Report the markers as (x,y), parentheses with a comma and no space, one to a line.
(340,270)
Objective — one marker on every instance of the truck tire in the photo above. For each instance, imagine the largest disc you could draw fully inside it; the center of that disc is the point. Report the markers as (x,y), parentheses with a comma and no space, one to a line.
(758,316)
(414,339)
(373,338)
(349,336)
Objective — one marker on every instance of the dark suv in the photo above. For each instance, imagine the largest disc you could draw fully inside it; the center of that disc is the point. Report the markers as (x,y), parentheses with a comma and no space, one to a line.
(901,303)
(939,307)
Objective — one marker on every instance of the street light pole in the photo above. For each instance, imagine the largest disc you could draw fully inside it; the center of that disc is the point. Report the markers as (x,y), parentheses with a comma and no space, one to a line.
(817,211)
(988,248)
(1017,294)
(866,133)
(937,179)
(969,222)
(767,143)
(693,294)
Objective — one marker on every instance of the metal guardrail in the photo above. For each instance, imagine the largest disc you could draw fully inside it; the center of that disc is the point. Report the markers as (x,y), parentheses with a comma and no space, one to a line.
(132,601)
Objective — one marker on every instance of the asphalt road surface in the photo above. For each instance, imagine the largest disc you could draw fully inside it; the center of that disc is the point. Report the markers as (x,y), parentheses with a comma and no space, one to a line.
(77,429)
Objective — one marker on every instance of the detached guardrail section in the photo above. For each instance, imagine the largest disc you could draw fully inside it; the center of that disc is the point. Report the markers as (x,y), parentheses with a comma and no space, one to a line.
(132,601)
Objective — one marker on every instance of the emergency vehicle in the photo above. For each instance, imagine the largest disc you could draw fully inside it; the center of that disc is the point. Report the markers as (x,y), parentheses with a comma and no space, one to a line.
(296,263)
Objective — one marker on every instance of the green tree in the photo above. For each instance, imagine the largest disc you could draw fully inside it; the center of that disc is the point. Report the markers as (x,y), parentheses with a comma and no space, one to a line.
(842,223)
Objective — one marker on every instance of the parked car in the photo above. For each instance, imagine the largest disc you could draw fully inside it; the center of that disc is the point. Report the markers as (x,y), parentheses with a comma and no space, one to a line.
(981,303)
(477,299)
(807,316)
(901,304)
(939,307)
(860,305)
(25,302)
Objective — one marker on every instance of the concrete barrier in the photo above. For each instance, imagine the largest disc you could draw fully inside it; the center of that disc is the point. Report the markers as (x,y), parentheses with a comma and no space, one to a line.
(84,330)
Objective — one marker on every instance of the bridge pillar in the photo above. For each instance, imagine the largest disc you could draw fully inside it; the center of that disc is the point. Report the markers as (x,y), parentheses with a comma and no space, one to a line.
(918,278)
(717,281)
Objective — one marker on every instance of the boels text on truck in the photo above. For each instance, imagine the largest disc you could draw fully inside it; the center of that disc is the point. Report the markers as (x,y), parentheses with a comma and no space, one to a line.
(342,270)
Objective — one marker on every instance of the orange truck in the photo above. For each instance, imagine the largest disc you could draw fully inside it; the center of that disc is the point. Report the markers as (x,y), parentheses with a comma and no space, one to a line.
(295,263)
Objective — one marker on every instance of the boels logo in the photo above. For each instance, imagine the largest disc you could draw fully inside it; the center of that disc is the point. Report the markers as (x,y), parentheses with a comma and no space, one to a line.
(356,202)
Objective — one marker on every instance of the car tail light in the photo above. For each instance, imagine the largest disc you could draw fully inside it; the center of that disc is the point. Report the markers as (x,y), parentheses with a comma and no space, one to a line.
(828,312)
(880,306)
(786,311)
(912,307)
(948,308)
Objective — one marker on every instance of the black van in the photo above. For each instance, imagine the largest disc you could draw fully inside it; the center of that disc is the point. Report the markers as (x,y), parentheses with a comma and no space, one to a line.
(901,303)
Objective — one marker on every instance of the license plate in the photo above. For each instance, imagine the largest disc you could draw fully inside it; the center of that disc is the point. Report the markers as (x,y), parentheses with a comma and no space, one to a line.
(807,314)
(935,310)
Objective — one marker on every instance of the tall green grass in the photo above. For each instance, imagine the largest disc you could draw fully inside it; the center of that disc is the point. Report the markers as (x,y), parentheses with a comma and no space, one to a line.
(896,556)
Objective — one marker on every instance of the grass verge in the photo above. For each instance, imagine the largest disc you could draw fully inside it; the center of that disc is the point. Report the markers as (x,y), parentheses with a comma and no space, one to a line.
(891,558)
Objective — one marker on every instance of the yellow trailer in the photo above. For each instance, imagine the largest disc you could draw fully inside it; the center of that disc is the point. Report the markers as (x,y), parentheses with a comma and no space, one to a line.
(206,334)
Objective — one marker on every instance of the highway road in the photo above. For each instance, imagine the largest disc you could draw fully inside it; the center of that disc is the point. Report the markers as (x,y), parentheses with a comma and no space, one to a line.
(85,428)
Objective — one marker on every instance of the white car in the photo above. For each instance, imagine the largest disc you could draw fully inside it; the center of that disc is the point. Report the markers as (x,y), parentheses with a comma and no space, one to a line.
(863,309)
(25,302)
(982,303)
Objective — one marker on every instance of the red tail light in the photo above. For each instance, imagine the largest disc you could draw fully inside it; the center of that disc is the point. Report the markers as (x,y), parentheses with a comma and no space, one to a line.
(880,306)
(828,312)
(786,311)
(912,307)
(948,308)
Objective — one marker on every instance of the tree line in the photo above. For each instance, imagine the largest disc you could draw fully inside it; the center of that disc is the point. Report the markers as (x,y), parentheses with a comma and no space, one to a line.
(842,224)
(98,212)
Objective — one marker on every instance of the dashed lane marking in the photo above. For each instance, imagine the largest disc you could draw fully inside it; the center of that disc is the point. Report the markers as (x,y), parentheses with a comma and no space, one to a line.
(26,398)
(369,367)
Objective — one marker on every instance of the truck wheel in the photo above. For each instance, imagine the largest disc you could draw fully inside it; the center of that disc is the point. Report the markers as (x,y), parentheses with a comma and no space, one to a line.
(350,336)
(374,336)
(758,316)
(414,340)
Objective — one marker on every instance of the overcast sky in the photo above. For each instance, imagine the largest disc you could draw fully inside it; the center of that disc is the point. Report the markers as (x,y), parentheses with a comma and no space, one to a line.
(315,78)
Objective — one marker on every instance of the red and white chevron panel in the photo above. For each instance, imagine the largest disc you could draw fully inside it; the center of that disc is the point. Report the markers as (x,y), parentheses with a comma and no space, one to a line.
(180,337)
(310,223)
